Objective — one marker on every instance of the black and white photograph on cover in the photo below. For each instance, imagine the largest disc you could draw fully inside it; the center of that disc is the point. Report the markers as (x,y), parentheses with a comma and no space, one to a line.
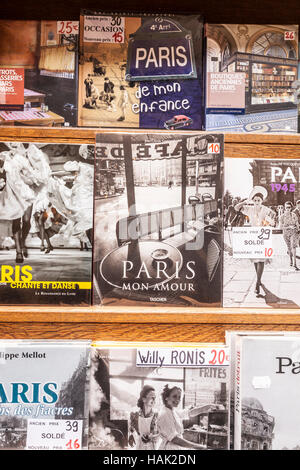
(266,194)
(46,215)
(155,408)
(158,219)
(269,416)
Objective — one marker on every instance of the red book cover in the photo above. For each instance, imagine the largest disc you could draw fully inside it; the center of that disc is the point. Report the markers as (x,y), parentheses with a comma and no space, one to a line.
(12,89)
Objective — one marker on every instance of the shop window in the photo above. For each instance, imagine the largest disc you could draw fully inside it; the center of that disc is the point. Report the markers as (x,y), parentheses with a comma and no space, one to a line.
(272,44)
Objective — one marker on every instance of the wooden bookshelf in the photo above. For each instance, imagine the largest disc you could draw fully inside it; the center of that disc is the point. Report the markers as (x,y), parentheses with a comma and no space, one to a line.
(147,323)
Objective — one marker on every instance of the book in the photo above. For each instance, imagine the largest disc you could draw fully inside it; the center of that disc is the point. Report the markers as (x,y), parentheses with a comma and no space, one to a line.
(44,396)
(46,219)
(158,218)
(251,76)
(38,73)
(231,342)
(266,393)
(140,71)
(158,396)
(261,236)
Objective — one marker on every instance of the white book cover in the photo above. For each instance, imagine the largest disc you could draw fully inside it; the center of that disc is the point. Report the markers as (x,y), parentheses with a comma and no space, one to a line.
(261,233)
(267,393)
(44,395)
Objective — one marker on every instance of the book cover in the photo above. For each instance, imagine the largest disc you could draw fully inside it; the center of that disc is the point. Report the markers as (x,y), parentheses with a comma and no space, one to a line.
(251,75)
(45,54)
(232,343)
(43,399)
(269,400)
(140,71)
(158,218)
(261,235)
(158,396)
(46,219)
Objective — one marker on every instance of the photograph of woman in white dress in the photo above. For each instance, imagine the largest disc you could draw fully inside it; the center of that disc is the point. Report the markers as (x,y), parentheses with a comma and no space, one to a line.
(143,434)
(258,216)
(170,421)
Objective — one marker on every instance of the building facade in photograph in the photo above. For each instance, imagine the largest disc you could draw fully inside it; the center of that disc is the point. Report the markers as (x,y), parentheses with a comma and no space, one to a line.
(257,426)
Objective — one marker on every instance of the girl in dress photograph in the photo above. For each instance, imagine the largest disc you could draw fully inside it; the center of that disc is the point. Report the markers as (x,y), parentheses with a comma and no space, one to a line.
(143,423)
(170,421)
(259,216)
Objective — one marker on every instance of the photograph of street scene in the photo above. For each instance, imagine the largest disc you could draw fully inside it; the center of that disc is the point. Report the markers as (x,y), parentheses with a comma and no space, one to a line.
(267,194)
(158,219)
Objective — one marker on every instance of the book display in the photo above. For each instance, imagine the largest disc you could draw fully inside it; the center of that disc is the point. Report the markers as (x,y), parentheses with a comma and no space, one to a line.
(149,227)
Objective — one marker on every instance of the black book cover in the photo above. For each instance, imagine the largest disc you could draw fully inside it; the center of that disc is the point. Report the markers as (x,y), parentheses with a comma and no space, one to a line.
(158,218)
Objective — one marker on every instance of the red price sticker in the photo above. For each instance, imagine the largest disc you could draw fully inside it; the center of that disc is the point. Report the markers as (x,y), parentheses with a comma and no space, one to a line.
(289,35)
(213,148)
(219,357)
(54,434)
(68,27)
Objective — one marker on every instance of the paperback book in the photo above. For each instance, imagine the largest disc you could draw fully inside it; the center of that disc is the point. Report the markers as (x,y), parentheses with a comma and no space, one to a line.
(43,399)
(261,235)
(46,218)
(158,218)
(266,396)
(38,73)
(251,78)
(231,341)
(141,71)
(158,396)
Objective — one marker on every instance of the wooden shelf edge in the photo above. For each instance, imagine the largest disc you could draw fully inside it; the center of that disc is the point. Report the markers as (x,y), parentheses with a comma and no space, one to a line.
(49,314)
(87,134)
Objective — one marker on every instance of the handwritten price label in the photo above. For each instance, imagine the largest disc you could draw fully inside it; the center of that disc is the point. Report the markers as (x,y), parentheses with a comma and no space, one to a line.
(252,242)
(219,357)
(104,29)
(289,35)
(68,27)
(54,434)
(213,148)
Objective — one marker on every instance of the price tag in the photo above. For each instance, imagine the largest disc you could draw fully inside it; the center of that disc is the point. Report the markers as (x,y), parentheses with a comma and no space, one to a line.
(68,27)
(54,434)
(252,242)
(289,35)
(104,29)
(213,148)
